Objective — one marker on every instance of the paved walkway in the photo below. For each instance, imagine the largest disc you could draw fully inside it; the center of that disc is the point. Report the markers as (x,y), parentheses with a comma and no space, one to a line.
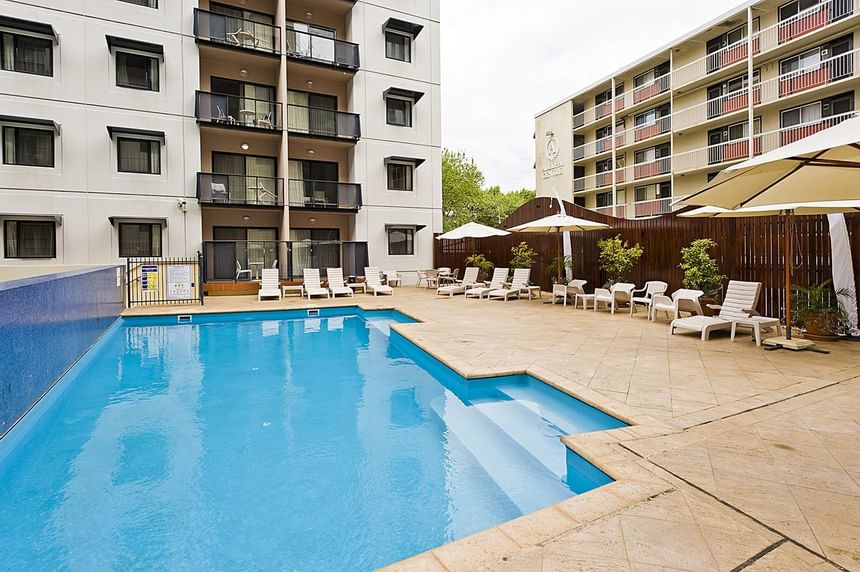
(737,458)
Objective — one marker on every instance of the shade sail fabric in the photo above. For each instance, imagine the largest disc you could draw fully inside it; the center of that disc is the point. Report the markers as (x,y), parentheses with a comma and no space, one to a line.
(559,223)
(472,230)
(827,207)
(822,167)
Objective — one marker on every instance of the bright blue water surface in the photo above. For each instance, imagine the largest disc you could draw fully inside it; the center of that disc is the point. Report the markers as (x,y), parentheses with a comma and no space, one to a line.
(270,441)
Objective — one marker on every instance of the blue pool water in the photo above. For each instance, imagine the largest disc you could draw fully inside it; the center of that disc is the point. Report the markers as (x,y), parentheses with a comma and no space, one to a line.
(273,441)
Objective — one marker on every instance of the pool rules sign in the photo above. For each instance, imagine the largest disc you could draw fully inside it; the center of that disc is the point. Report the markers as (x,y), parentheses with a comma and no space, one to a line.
(179,282)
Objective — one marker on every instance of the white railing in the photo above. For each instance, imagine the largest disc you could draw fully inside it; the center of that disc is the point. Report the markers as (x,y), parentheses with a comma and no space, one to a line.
(826,72)
(813,18)
(624,138)
(654,168)
(626,100)
(722,58)
(648,91)
(640,209)
(623,175)
(592,148)
(738,149)
(717,107)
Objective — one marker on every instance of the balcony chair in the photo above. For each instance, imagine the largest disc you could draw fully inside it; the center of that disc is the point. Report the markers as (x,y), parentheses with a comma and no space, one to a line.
(219,192)
(240,271)
(267,121)
(223,117)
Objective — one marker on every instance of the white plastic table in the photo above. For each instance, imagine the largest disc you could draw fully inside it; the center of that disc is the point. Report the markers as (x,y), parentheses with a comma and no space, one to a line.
(756,323)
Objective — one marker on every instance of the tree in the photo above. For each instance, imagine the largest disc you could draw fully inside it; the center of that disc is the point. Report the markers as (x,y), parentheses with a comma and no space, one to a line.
(701,272)
(617,257)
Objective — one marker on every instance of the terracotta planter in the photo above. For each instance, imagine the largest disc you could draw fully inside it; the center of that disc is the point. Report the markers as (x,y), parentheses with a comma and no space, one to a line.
(819,329)
(704,301)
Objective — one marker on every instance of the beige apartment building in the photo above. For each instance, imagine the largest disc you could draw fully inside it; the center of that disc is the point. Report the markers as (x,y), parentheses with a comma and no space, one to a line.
(263,133)
(661,127)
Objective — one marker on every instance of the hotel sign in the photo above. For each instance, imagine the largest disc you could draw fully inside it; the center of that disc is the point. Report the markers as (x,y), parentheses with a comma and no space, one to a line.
(553,166)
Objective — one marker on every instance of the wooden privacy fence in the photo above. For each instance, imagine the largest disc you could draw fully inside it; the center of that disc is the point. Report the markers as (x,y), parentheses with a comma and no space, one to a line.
(748,248)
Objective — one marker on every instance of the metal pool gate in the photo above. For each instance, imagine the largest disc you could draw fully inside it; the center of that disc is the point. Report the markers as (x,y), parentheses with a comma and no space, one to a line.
(164,281)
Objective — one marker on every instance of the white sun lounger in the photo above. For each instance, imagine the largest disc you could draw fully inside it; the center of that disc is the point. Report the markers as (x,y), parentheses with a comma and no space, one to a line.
(270,286)
(496,282)
(470,278)
(312,286)
(335,283)
(619,293)
(519,284)
(739,303)
(374,282)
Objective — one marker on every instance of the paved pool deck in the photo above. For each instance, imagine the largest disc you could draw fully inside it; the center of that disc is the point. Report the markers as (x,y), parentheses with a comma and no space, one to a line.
(736,458)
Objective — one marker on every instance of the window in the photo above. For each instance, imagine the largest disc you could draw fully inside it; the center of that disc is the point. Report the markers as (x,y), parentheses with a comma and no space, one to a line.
(139,239)
(814,112)
(603,166)
(32,147)
(401,241)
(398,46)
(651,116)
(398,111)
(30,239)
(786,11)
(604,199)
(400,176)
(27,54)
(144,3)
(651,154)
(138,156)
(136,71)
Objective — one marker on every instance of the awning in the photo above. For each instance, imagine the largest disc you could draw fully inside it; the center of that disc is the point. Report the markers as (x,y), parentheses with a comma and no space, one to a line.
(403,26)
(28,26)
(58,218)
(115,42)
(115,219)
(414,160)
(30,121)
(407,93)
(113,131)
(417,227)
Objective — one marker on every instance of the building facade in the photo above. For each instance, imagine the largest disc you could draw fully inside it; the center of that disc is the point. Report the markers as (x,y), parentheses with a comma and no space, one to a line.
(661,127)
(264,133)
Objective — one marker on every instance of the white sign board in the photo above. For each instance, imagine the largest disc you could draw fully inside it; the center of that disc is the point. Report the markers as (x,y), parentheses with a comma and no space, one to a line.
(179,282)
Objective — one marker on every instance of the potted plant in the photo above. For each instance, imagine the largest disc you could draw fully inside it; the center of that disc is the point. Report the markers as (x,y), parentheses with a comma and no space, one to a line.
(817,309)
(552,268)
(523,256)
(617,257)
(701,272)
(484,266)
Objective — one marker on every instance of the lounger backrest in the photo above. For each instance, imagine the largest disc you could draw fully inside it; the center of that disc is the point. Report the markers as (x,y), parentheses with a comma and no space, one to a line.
(312,277)
(622,290)
(653,287)
(577,286)
(741,299)
(470,275)
(687,294)
(521,278)
(499,277)
(270,278)
(335,277)
(371,275)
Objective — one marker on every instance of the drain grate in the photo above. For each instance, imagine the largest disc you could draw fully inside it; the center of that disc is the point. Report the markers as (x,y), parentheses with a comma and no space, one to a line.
(313,313)
(183,318)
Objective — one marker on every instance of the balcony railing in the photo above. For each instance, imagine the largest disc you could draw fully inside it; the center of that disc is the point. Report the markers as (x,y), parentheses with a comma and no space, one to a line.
(623,138)
(622,175)
(318,122)
(237,32)
(639,209)
(717,107)
(322,49)
(813,18)
(651,89)
(722,58)
(638,95)
(238,112)
(243,190)
(652,168)
(826,72)
(235,260)
(324,195)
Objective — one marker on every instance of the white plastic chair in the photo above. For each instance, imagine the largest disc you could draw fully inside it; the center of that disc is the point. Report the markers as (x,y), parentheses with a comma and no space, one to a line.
(374,282)
(646,295)
(312,286)
(240,271)
(683,300)
(739,303)
(270,286)
(335,283)
(618,294)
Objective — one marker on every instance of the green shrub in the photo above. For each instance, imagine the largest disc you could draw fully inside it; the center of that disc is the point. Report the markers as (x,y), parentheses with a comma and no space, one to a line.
(701,272)
(617,257)
(523,256)
(479,260)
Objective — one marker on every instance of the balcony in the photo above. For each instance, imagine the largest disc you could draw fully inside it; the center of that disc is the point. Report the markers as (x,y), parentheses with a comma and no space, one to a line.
(223,258)
(651,90)
(306,194)
(239,190)
(805,22)
(717,107)
(322,50)
(655,168)
(641,209)
(234,112)
(624,138)
(826,72)
(325,123)
(237,33)
(721,59)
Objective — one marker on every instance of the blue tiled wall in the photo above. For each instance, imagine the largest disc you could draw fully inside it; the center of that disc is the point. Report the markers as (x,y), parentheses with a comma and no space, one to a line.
(46,324)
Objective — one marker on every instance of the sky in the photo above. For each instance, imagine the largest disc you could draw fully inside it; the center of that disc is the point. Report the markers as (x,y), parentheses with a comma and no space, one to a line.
(503,61)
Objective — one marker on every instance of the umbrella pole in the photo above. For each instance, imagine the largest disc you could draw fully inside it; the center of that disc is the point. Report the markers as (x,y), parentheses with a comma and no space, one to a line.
(788,258)
(558,255)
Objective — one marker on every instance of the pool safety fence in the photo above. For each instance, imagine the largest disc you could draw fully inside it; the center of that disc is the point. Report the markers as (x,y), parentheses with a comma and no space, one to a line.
(164,281)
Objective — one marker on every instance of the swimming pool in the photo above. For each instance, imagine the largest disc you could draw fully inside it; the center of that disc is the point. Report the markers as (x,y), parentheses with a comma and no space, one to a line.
(271,440)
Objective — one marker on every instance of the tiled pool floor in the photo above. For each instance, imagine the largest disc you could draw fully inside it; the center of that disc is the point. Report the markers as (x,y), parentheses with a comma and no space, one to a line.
(739,457)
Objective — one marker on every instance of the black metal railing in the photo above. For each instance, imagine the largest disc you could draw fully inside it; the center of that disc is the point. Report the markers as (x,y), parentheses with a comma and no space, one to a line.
(322,49)
(154,281)
(246,190)
(235,111)
(309,194)
(237,32)
(243,260)
(304,120)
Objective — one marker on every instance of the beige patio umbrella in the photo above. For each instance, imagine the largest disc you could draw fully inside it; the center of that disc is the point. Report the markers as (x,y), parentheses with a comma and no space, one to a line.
(787,211)
(559,223)
(472,230)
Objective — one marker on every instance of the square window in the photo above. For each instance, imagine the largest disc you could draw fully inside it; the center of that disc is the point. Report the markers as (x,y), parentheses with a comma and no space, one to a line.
(27,54)
(30,239)
(139,239)
(398,46)
(138,156)
(398,111)
(136,71)
(32,147)
(401,241)
(400,176)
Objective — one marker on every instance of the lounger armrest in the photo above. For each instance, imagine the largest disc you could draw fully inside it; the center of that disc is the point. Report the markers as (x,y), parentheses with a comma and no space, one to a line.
(642,291)
(662,299)
(602,292)
(715,307)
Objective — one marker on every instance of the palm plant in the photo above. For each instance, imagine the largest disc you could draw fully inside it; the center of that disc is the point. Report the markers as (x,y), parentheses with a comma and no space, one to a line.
(480,261)
(818,310)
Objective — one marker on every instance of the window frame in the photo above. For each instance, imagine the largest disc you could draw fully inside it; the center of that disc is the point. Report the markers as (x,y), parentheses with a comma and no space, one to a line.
(154,78)
(15,143)
(120,139)
(409,43)
(119,231)
(410,233)
(51,223)
(16,34)
(409,112)
(407,179)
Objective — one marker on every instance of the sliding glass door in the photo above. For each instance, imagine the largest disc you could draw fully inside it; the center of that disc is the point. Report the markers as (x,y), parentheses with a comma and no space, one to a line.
(312,113)
(313,183)
(248,178)
(239,248)
(315,248)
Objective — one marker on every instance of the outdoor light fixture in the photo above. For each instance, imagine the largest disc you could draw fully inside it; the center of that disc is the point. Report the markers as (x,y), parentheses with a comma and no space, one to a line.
(311,152)
(309,83)
(246,218)
(245,146)
(308,15)
(243,72)
(312,219)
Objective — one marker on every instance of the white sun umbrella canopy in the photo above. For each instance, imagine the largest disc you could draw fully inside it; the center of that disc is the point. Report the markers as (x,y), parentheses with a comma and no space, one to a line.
(559,223)
(472,230)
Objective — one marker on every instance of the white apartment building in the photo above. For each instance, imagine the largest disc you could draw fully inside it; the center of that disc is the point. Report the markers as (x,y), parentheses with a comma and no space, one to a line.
(658,129)
(264,133)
